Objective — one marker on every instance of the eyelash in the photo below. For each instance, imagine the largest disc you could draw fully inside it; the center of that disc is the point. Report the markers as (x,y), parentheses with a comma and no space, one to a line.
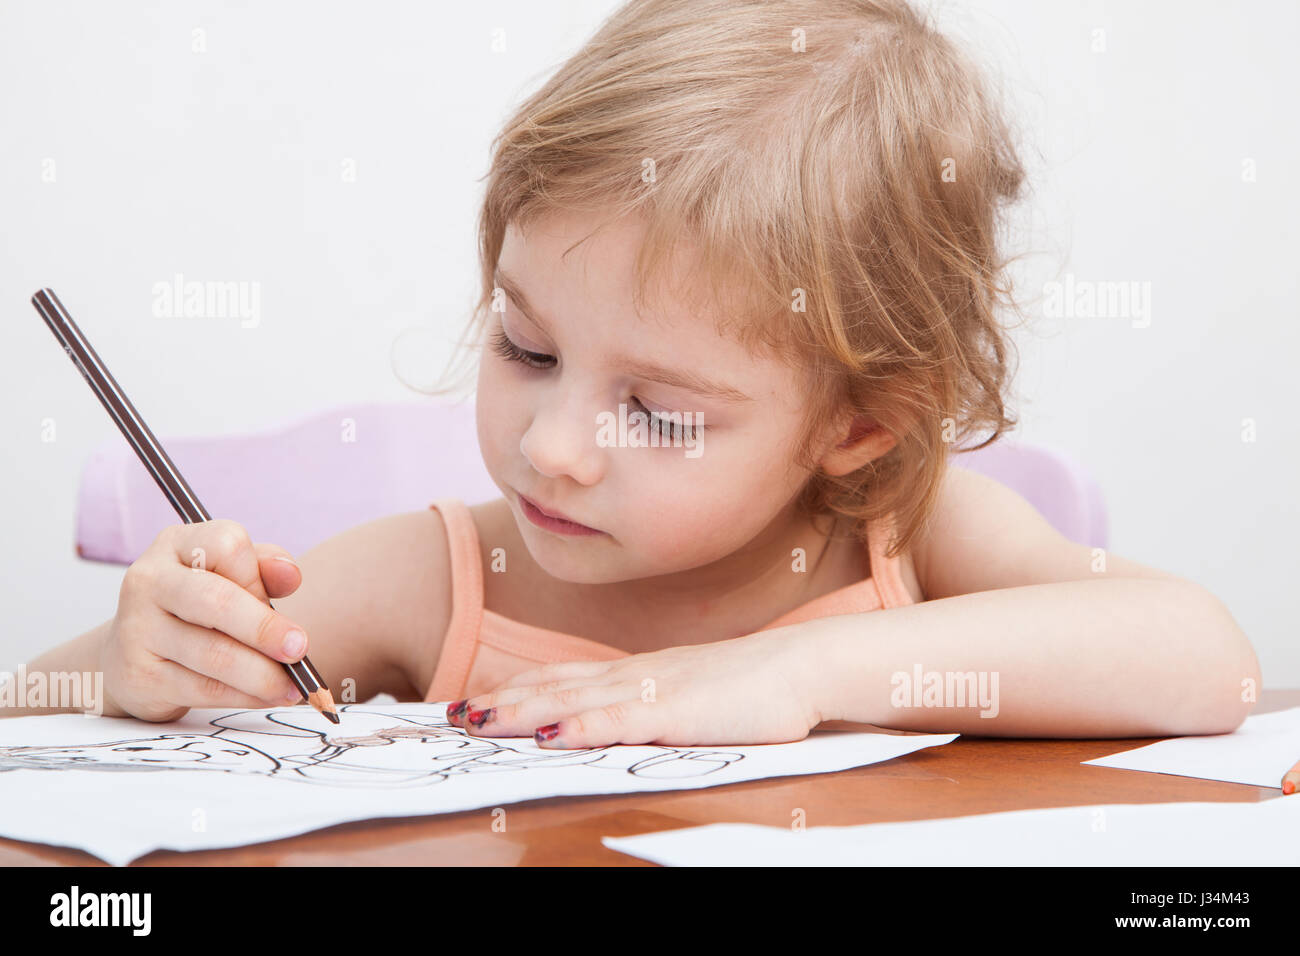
(507,349)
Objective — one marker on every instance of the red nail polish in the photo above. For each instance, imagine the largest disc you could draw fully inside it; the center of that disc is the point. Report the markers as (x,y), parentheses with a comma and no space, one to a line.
(546,733)
(454,709)
(1288,786)
(480,717)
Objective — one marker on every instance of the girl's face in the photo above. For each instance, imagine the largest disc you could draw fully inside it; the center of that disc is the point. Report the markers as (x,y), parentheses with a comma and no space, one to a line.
(564,352)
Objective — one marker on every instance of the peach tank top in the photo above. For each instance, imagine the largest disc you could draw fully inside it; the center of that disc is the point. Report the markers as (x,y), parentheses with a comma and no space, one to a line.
(482,648)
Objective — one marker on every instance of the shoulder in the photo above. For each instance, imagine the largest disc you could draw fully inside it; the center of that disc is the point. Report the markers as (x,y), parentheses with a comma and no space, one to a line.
(976,535)
(403,562)
(375,600)
(983,536)
(430,578)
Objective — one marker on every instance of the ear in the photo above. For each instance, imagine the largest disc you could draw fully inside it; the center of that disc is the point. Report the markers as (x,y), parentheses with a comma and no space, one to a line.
(860,441)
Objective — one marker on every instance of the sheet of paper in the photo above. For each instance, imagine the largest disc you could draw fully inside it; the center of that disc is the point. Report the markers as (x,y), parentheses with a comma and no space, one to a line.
(120,788)
(1258,752)
(1158,834)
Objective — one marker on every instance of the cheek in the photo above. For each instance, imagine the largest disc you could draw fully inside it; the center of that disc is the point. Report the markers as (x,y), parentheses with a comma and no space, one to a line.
(688,512)
(496,409)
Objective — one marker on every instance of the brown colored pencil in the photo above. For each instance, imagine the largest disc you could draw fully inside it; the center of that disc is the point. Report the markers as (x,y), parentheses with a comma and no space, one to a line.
(305,677)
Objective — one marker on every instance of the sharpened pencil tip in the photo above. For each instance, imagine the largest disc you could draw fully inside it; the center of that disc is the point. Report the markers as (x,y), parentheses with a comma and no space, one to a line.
(323,701)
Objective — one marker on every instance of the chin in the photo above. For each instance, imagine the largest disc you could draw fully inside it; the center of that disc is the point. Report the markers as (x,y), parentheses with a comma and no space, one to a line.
(578,560)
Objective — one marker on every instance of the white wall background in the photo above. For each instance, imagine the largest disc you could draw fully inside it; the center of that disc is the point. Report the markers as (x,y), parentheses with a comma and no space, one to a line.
(227,165)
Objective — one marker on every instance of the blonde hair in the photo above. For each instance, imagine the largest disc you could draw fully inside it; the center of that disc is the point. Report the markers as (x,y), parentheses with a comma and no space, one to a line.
(839,155)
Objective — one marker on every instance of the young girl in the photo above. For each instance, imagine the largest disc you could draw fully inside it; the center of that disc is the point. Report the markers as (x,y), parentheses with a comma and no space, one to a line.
(739,297)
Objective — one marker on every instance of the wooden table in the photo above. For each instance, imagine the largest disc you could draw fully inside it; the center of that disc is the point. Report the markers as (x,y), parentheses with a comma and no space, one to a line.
(969,775)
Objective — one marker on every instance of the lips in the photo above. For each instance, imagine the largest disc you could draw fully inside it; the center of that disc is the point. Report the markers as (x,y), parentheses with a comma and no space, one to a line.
(557,515)
(550,513)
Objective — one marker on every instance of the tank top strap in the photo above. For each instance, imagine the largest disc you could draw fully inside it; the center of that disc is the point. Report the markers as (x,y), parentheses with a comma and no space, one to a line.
(886,572)
(461,640)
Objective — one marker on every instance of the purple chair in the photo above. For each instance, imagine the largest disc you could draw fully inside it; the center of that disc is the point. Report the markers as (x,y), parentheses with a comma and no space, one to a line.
(294,486)
(300,484)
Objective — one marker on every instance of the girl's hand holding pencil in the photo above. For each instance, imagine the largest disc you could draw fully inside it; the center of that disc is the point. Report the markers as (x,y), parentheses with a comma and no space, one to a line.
(159,655)
(193,627)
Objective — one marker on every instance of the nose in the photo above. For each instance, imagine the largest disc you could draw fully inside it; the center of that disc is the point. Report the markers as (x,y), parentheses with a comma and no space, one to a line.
(561,441)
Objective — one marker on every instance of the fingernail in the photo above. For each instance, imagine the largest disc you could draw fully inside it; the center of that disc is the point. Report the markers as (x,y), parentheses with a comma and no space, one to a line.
(295,642)
(293,697)
(454,709)
(289,561)
(548,732)
(480,717)
(1288,786)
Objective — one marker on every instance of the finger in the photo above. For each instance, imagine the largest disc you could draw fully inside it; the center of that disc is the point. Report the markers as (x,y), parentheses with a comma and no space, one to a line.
(222,547)
(280,574)
(504,695)
(522,718)
(185,688)
(210,600)
(211,654)
(626,721)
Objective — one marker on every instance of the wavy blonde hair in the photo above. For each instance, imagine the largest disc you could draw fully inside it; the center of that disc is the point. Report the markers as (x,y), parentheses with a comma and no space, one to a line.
(842,163)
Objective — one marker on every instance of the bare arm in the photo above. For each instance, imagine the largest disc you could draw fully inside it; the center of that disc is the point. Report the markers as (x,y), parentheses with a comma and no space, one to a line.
(77,656)
(374,602)
(1070,641)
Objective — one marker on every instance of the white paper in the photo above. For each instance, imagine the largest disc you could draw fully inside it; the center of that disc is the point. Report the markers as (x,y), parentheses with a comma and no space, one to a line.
(1258,752)
(119,788)
(1159,834)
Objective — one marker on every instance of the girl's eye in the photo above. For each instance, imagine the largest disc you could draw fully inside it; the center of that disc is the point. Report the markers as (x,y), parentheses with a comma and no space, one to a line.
(669,426)
(513,353)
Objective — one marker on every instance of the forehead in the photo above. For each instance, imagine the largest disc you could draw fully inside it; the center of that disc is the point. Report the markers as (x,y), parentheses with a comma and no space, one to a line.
(576,255)
(572,267)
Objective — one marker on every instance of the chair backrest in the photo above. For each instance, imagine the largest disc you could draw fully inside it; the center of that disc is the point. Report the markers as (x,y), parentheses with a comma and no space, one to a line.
(293,486)
(301,483)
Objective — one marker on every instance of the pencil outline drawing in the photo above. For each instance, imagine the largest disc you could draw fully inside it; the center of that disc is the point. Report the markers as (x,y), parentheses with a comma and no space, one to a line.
(411,749)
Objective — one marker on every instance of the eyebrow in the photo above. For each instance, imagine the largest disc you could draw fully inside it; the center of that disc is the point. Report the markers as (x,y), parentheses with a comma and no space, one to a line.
(638,367)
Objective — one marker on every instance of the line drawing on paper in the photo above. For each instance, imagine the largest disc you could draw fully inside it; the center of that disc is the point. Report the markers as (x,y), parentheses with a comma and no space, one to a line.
(385,749)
